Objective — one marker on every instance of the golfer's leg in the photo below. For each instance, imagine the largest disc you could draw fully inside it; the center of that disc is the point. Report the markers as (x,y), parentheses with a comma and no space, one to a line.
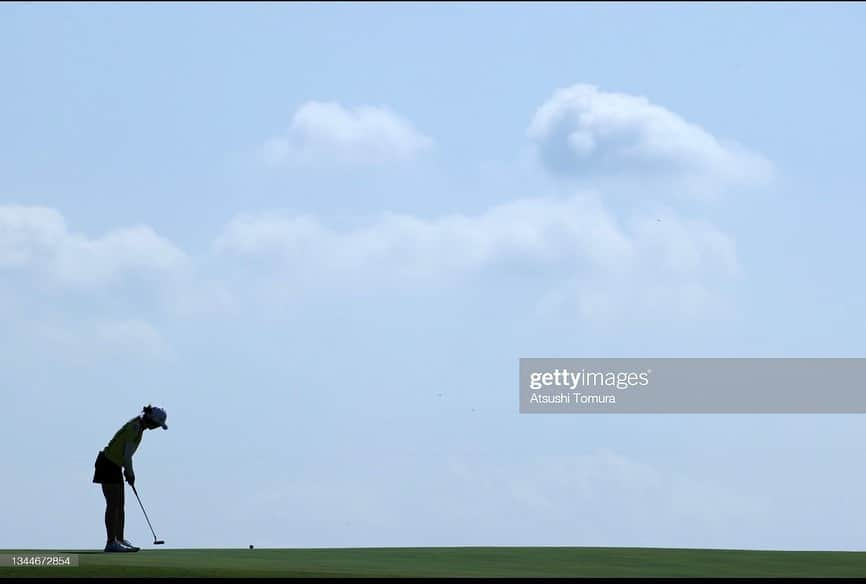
(109,519)
(122,513)
(118,510)
(113,494)
(116,491)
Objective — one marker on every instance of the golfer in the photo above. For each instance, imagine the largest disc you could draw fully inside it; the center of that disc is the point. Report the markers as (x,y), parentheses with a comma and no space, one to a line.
(109,462)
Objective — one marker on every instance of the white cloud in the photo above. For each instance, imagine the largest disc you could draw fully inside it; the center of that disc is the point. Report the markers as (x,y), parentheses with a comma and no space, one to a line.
(573,245)
(582,131)
(37,239)
(29,233)
(327,132)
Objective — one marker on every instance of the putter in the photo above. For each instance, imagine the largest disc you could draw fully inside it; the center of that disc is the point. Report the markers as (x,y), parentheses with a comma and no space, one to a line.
(155,541)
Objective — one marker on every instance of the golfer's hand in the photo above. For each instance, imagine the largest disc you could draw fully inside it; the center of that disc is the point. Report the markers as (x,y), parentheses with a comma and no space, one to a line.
(130,477)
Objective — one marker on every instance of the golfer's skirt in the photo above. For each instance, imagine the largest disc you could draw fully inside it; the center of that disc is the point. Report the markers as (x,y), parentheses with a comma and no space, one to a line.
(105,471)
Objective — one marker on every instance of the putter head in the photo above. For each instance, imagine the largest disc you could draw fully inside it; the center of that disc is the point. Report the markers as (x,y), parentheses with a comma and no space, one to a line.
(159,542)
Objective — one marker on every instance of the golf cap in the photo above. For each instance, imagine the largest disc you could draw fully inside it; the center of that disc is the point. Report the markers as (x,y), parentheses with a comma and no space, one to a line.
(158,416)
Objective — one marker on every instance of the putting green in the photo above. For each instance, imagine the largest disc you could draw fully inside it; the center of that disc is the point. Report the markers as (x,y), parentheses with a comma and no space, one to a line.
(450,562)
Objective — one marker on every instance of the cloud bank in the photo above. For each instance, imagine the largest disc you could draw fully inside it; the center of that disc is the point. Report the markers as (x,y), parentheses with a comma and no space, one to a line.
(37,239)
(591,499)
(573,250)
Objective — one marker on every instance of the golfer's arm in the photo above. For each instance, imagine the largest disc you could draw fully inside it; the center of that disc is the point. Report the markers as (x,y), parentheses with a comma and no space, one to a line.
(127,457)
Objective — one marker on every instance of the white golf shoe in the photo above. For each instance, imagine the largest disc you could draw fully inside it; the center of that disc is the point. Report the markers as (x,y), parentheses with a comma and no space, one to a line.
(116,546)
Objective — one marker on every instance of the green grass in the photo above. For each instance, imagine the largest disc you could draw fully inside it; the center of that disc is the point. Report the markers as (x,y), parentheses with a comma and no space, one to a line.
(453,562)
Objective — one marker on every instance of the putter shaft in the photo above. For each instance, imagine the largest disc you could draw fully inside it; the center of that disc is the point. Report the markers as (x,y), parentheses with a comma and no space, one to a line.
(155,541)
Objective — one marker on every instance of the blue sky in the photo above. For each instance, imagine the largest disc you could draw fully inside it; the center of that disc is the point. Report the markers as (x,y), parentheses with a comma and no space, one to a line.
(294,225)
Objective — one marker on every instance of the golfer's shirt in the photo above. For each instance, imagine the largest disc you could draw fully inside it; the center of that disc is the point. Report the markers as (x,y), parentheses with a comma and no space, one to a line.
(124,443)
